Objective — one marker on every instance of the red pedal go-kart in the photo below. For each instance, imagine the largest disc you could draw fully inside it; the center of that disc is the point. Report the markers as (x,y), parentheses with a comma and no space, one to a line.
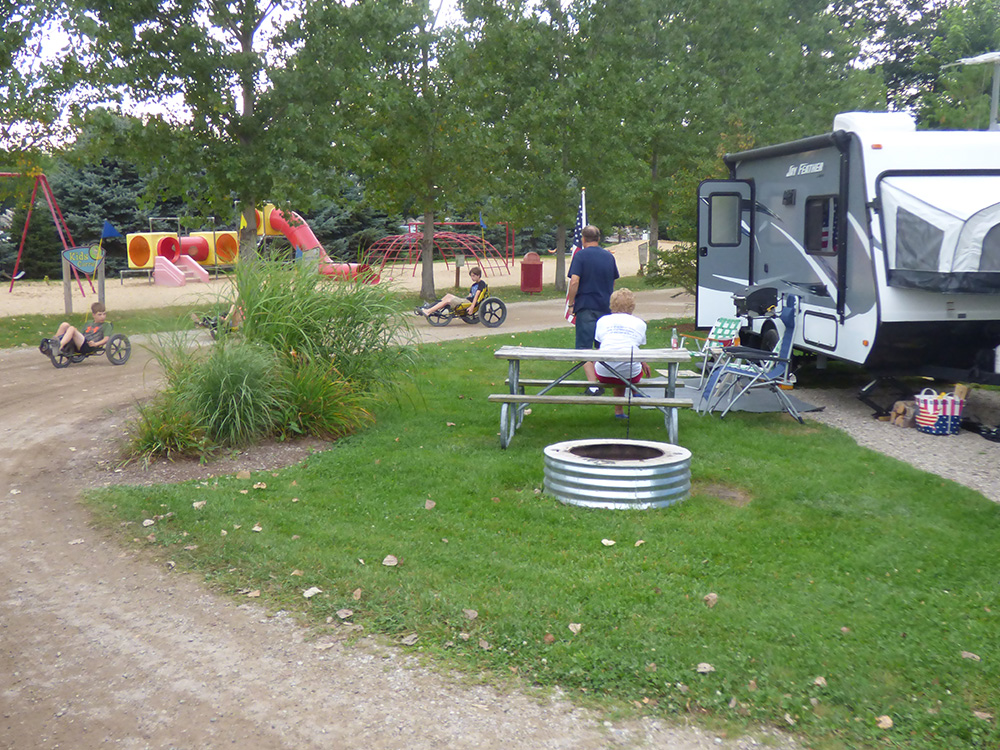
(118,349)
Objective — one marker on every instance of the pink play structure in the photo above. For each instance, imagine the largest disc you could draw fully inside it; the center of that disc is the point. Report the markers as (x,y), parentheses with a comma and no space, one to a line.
(177,260)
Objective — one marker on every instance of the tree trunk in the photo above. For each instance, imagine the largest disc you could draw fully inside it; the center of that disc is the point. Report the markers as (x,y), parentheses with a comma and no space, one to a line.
(654,208)
(427,256)
(248,234)
(560,280)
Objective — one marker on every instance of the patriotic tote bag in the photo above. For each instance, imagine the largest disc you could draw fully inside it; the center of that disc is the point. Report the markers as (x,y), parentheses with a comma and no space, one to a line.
(938,413)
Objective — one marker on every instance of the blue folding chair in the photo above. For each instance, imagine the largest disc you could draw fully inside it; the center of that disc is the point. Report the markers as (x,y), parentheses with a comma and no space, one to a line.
(741,369)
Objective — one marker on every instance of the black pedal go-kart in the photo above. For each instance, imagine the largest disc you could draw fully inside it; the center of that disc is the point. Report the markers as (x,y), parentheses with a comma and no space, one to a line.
(118,350)
(491,312)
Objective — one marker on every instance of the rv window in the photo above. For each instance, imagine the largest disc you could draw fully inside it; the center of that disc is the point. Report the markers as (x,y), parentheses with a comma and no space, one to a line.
(918,242)
(724,219)
(821,226)
(990,259)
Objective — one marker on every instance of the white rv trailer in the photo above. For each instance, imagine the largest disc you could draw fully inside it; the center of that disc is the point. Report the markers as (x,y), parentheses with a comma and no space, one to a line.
(889,237)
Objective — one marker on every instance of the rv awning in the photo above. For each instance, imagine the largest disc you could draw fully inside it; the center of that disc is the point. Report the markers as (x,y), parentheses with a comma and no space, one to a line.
(942,232)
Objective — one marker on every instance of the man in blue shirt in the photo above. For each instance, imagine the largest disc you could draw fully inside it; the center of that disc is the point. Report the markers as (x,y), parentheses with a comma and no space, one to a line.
(592,274)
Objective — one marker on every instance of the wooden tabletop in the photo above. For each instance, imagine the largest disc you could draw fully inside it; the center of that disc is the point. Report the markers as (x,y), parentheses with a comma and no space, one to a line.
(591,355)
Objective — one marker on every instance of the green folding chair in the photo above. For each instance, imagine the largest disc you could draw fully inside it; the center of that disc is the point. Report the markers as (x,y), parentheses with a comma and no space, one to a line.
(725,332)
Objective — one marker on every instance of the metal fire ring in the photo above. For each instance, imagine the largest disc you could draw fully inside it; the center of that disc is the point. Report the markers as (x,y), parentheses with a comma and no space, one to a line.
(617,474)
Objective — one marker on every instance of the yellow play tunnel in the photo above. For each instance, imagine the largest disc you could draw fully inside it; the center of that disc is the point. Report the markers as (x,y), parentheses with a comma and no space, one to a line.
(268,229)
(223,247)
(143,248)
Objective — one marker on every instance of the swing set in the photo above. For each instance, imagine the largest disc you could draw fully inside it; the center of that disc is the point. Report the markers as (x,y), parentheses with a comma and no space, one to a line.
(41,183)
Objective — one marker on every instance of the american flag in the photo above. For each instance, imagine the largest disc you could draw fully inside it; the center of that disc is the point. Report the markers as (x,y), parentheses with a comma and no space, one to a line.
(581,222)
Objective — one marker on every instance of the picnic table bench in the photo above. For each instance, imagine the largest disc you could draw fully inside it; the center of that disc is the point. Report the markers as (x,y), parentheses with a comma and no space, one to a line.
(514,403)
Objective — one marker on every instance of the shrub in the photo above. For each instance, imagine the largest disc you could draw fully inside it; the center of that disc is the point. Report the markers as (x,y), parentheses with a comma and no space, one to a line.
(309,355)
(320,403)
(677,267)
(165,428)
(237,394)
(354,326)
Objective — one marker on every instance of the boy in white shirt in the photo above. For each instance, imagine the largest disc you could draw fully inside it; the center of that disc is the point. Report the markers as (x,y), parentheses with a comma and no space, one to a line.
(619,331)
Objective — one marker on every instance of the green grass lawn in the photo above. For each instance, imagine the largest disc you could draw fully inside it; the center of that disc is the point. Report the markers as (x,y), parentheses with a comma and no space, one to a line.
(22,330)
(28,330)
(850,586)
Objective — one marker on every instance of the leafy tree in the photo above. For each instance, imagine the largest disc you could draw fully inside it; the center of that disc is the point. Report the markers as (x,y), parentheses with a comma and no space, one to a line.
(959,98)
(897,35)
(527,73)
(688,76)
(663,126)
(33,80)
(243,101)
(419,144)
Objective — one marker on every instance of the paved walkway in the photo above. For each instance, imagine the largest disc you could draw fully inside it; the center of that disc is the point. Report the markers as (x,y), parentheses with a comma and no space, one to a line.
(545,314)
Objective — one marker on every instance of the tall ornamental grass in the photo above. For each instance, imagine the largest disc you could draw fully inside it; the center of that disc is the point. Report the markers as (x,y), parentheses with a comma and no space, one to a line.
(310,356)
(355,327)
(239,393)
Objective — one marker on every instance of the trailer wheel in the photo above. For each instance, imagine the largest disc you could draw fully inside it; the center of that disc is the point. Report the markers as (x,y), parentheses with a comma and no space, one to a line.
(769,339)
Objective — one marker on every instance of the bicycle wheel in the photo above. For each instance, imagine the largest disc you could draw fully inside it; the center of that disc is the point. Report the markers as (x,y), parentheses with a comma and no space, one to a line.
(493,312)
(118,349)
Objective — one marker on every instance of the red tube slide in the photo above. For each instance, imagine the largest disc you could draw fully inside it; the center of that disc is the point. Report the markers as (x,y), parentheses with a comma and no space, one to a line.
(196,247)
(170,248)
(305,243)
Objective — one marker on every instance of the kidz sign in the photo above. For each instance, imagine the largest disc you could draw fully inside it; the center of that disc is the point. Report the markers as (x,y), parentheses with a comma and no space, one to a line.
(84,259)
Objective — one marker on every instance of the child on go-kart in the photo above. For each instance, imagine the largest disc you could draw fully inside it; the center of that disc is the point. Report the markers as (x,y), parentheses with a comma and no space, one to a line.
(94,335)
(450,300)
(229,322)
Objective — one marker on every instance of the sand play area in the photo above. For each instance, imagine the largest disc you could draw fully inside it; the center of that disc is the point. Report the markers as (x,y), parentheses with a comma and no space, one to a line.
(136,293)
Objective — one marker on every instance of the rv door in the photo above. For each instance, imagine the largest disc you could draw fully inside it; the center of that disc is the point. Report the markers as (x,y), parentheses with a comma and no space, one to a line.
(725,229)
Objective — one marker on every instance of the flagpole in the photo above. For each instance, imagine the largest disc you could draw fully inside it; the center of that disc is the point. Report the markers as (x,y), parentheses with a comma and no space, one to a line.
(581,222)
(482,236)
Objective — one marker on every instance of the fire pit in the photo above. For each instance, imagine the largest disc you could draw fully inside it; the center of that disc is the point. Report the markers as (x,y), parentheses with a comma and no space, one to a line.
(617,474)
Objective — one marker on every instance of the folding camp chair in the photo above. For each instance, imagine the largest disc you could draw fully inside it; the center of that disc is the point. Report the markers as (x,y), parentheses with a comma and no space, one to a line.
(725,332)
(741,369)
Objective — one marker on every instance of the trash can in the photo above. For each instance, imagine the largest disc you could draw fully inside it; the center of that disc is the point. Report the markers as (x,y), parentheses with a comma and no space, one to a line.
(531,273)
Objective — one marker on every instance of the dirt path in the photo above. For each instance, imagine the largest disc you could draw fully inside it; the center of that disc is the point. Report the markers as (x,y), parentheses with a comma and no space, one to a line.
(103,648)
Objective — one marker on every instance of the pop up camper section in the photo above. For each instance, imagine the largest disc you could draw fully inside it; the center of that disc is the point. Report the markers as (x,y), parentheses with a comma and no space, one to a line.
(888,237)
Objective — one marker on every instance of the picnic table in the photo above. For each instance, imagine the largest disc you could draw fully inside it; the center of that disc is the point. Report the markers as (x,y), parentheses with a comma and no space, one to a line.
(515,402)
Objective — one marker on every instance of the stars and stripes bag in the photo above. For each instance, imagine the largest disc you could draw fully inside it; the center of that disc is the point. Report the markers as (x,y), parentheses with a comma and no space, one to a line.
(938,413)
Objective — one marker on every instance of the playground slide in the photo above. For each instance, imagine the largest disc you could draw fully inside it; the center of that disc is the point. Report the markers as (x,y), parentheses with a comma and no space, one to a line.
(306,245)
